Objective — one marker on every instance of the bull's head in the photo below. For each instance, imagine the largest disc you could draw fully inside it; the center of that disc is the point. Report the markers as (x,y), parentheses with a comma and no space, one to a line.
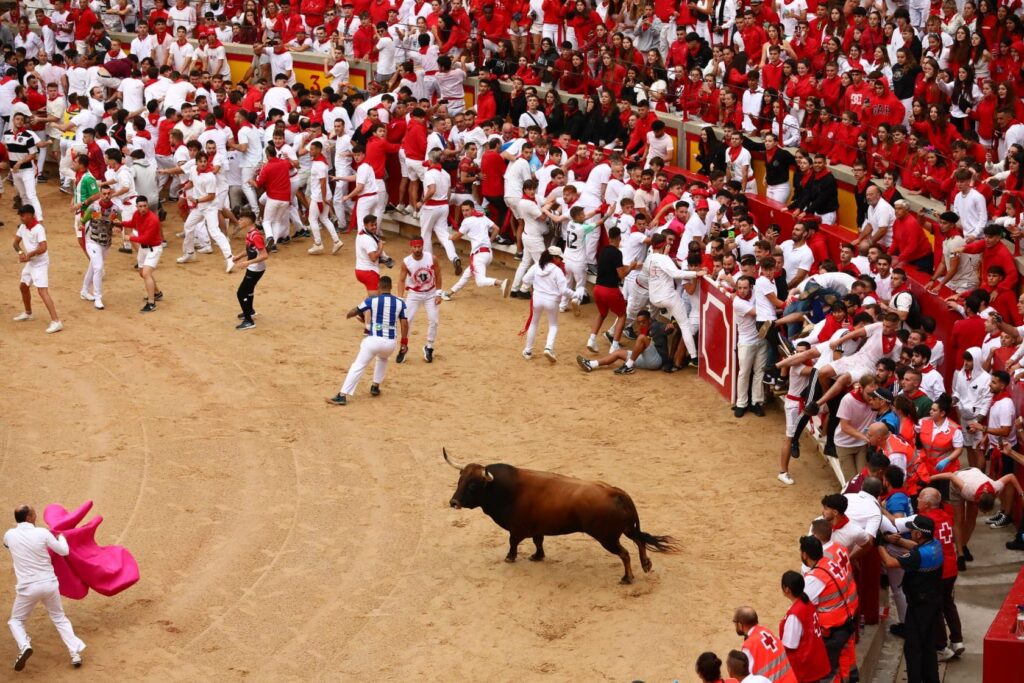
(472,480)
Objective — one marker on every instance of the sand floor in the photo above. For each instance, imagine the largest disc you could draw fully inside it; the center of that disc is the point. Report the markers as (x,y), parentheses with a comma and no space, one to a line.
(280,538)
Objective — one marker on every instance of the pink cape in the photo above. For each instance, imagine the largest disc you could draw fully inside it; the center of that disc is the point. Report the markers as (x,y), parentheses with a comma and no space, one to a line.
(108,570)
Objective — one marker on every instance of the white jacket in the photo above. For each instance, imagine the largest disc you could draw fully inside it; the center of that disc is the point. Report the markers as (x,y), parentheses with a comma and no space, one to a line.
(973,395)
(548,282)
(663,274)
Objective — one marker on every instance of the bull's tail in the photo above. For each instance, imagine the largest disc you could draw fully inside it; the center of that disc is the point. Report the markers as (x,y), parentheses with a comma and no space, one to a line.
(662,544)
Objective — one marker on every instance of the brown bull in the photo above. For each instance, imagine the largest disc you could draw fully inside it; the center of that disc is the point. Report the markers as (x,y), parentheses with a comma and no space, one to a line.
(533,504)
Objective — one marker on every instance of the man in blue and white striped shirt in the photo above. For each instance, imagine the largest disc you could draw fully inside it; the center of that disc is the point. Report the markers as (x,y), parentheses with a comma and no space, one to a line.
(385,319)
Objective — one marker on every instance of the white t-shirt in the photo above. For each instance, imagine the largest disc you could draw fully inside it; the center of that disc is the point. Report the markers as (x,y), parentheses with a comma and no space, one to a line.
(762,304)
(276,98)
(253,154)
(365,245)
(30,240)
(317,172)
(860,416)
(1002,414)
(477,230)
(386,55)
(517,173)
(367,178)
(533,118)
(796,258)
(746,326)
(132,90)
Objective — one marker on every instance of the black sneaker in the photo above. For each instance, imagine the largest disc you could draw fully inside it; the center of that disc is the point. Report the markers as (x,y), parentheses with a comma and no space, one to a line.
(124,250)
(968,557)
(272,248)
(739,412)
(241,316)
(245,325)
(284,240)
(148,308)
(961,563)
(757,409)
(794,449)
(428,354)
(1003,521)
(458,266)
(374,390)
(400,358)
(1016,544)
(609,337)
(625,370)
(159,296)
(23,656)
(629,333)
(897,630)
(584,364)
(830,450)
(519,256)
(337,400)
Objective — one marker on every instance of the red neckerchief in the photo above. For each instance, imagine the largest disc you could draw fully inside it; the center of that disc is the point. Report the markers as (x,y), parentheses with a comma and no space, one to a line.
(320,157)
(1005,393)
(856,393)
(31,223)
(843,521)
(734,152)
(926,369)
(423,50)
(823,173)
(769,153)
(888,343)
(917,394)
(181,41)
(985,488)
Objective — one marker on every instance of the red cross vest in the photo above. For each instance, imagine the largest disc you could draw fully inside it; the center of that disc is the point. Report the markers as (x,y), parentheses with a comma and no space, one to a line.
(838,602)
(769,656)
(809,660)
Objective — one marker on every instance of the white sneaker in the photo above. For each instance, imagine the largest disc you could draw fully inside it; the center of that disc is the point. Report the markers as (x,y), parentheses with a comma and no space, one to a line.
(785,478)
(208,249)
(187,258)
(416,214)
(22,317)
(401,208)
(550,355)
(76,660)
(615,347)
(86,296)
(55,326)
(445,296)
(505,289)
(946,654)
(528,355)
(592,347)
(98,304)
(229,264)
(179,234)
(315,249)
(958,648)
(337,247)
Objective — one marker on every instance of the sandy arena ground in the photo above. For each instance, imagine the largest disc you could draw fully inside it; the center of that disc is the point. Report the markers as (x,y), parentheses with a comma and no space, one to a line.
(280,538)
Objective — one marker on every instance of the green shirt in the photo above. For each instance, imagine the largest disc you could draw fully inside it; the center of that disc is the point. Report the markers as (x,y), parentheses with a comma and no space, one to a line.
(86,188)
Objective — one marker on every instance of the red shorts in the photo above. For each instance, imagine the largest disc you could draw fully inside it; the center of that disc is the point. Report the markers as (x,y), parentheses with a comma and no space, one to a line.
(370,280)
(609,299)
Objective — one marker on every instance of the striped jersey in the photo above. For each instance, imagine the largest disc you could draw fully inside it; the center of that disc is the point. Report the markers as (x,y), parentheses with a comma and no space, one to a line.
(385,312)
(20,145)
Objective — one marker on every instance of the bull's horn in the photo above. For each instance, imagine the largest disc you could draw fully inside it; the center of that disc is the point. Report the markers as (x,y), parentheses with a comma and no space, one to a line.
(487,475)
(448,460)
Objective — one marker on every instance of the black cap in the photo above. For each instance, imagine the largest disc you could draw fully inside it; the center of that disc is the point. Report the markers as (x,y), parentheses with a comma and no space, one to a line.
(926,525)
(883,394)
(691,37)
(949,216)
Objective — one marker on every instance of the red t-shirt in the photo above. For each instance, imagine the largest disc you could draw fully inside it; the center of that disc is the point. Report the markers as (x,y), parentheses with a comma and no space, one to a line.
(493,167)
(147,228)
(275,180)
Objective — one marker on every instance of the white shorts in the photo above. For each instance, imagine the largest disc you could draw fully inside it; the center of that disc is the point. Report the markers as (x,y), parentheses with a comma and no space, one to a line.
(149,257)
(412,169)
(793,414)
(37,274)
(513,205)
(853,366)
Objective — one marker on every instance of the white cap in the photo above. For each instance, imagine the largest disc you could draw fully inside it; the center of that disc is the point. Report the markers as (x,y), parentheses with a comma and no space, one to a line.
(555,251)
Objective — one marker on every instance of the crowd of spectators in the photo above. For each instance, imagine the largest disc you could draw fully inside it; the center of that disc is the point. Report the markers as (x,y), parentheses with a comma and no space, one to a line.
(919,99)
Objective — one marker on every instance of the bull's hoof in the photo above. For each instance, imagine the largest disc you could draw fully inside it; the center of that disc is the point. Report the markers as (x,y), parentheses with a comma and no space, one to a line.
(536,557)
(510,558)
(626,580)
(647,566)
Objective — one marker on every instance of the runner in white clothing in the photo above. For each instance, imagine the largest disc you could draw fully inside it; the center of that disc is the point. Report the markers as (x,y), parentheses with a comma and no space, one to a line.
(434,209)
(479,230)
(419,284)
(320,200)
(663,274)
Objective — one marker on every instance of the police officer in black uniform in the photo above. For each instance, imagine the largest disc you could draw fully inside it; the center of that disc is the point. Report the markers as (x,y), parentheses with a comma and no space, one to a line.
(922,584)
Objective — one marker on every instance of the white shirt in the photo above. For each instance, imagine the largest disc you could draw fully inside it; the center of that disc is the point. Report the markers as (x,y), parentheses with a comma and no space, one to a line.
(517,173)
(1002,414)
(367,178)
(763,305)
(176,95)
(477,229)
(746,325)
(253,154)
(386,55)
(662,274)
(28,545)
(973,213)
(365,244)
(317,172)
(796,258)
(280,64)
(864,509)
(881,215)
(534,227)
(276,98)
(533,118)
(131,90)
(860,416)
(441,182)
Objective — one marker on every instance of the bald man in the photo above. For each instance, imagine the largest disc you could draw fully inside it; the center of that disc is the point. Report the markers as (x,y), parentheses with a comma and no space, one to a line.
(37,583)
(765,654)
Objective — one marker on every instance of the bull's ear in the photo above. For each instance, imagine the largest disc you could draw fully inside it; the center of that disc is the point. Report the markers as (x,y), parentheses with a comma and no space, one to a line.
(488,476)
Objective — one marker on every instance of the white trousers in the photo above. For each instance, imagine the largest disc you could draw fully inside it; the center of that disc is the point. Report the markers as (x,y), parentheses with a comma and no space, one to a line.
(366,205)
(548,307)
(275,218)
(752,358)
(321,217)
(778,193)
(48,593)
(370,348)
(637,300)
(342,208)
(532,248)
(248,173)
(94,272)
(827,218)
(204,218)
(25,184)
(382,203)
(576,277)
(677,310)
(478,263)
(427,300)
(434,221)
